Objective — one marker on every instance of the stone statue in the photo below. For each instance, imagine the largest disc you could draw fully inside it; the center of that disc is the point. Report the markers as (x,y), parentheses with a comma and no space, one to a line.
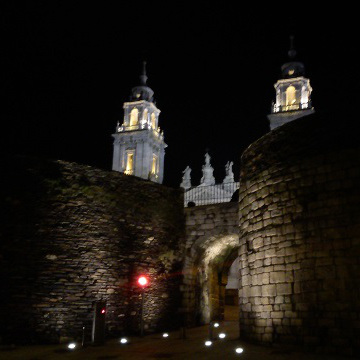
(207,170)
(229,175)
(207,159)
(186,179)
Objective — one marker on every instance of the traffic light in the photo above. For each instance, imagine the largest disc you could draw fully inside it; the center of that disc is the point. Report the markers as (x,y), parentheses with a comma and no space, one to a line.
(98,329)
(143,281)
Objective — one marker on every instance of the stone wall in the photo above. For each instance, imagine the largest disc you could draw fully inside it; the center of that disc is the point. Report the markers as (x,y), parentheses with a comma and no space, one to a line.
(71,235)
(300,236)
(212,243)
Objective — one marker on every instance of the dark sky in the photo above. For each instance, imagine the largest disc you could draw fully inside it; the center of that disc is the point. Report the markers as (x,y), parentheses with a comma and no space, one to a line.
(69,66)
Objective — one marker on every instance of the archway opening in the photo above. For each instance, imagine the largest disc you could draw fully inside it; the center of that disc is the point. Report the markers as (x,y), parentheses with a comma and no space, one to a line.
(223,290)
(231,310)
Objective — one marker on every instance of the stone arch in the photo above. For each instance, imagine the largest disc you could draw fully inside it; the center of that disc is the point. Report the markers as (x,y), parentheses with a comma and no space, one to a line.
(218,274)
(211,264)
(211,249)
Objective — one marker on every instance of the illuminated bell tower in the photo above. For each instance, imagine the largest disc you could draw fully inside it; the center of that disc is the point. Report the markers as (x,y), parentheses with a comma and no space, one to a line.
(293,93)
(139,146)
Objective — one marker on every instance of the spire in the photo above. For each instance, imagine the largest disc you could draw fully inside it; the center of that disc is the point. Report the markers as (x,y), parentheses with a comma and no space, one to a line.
(143,77)
(142,91)
(292,51)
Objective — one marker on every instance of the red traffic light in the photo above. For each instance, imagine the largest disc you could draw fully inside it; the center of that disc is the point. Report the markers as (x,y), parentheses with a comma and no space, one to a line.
(103,311)
(143,281)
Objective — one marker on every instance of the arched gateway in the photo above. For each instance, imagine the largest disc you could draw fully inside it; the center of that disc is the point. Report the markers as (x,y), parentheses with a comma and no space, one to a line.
(212,243)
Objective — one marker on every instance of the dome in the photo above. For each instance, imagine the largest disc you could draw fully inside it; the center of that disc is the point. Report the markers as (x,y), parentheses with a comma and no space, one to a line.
(292,69)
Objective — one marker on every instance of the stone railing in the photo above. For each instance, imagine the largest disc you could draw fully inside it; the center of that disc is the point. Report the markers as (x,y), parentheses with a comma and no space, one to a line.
(297,106)
(210,194)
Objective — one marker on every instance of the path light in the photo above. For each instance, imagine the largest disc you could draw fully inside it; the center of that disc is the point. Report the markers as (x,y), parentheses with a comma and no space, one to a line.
(72,346)
(123,340)
(239,350)
(208,343)
(222,335)
(165,335)
(216,324)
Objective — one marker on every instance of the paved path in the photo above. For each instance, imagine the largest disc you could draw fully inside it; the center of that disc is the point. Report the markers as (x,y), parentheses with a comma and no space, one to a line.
(157,347)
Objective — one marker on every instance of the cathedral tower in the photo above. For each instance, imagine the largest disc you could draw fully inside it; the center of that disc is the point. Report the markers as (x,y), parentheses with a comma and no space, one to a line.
(293,93)
(139,146)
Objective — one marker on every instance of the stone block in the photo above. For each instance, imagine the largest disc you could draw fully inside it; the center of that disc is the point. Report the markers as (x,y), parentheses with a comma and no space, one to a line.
(268,290)
(291,314)
(265,278)
(277,314)
(267,337)
(255,291)
(270,253)
(283,289)
(277,277)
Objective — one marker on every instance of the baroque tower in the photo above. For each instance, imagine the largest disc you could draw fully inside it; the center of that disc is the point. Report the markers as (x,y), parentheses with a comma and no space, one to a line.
(293,93)
(139,146)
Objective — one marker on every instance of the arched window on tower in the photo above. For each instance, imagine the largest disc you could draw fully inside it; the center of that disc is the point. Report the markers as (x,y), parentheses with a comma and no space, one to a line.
(291,98)
(129,170)
(154,165)
(134,117)
(153,121)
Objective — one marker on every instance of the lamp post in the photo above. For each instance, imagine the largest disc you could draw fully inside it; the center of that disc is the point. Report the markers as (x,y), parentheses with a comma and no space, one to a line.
(143,282)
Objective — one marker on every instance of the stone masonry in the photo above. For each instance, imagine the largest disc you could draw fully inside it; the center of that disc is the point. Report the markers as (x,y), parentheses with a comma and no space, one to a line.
(212,243)
(71,235)
(300,237)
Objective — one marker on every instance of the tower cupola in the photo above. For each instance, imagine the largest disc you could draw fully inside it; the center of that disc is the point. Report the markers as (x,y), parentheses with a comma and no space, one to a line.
(142,91)
(293,68)
(293,92)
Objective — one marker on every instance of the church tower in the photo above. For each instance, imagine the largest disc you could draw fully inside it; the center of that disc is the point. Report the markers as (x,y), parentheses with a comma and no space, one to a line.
(293,93)
(139,146)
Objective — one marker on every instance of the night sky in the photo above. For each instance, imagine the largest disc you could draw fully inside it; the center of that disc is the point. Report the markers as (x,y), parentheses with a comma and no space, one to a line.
(69,66)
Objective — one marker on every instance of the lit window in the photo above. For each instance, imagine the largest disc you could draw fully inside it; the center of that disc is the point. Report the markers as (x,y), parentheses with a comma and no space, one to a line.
(153,121)
(154,165)
(290,98)
(134,115)
(129,163)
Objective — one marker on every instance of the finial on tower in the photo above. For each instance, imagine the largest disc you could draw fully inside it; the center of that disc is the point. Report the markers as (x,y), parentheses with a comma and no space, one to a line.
(143,77)
(292,51)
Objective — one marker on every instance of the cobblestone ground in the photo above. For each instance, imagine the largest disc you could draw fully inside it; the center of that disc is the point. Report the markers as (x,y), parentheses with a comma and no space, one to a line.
(173,347)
